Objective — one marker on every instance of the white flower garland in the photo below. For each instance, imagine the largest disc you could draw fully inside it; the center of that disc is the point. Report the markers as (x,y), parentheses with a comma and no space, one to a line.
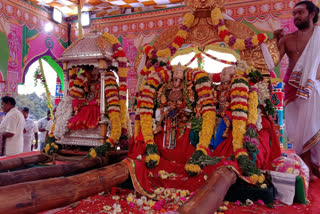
(63,115)
(263,93)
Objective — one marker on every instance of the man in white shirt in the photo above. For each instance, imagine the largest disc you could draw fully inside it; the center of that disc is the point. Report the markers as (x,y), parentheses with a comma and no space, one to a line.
(30,129)
(11,127)
(42,124)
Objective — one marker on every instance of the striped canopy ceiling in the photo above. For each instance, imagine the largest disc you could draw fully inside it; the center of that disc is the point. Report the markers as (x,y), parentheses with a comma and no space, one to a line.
(106,7)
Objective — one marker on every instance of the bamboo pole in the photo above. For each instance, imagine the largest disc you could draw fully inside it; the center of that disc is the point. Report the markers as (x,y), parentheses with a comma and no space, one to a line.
(37,196)
(80,35)
(39,173)
(209,197)
(21,161)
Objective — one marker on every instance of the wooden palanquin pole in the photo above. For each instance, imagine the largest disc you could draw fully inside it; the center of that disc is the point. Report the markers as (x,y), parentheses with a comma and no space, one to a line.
(39,173)
(37,196)
(21,161)
(209,197)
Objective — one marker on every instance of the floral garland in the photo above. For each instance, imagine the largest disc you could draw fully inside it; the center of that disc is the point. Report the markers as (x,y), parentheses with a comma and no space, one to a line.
(251,141)
(63,115)
(205,99)
(113,107)
(164,54)
(230,40)
(145,105)
(239,106)
(220,60)
(113,112)
(264,98)
(116,97)
(156,65)
(120,56)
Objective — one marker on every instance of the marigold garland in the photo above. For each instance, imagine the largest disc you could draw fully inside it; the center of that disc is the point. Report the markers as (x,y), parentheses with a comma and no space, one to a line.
(203,88)
(113,107)
(242,137)
(120,56)
(239,108)
(230,40)
(168,52)
(145,105)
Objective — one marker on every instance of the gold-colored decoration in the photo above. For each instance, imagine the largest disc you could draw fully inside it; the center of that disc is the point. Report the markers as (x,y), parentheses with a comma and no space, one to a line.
(165,38)
(202,32)
(240,30)
(203,4)
(254,57)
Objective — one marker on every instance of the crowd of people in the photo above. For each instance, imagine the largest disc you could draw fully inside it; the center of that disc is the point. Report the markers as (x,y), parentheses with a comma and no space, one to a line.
(18,132)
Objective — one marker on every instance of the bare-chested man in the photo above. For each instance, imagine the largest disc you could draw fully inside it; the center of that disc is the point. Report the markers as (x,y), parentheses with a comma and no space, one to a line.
(302,89)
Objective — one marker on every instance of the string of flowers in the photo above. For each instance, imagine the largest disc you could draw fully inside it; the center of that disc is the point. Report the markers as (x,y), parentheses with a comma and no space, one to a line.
(203,88)
(251,141)
(193,58)
(239,106)
(220,60)
(145,105)
(120,56)
(159,58)
(78,81)
(230,40)
(113,112)
(200,60)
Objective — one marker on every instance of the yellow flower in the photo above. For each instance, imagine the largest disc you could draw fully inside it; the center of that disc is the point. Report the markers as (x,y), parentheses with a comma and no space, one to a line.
(216,15)
(146,127)
(240,45)
(110,38)
(129,198)
(261,178)
(182,34)
(46,149)
(290,170)
(153,157)
(193,168)
(188,19)
(226,39)
(254,178)
(208,122)
(175,45)
(238,130)
(221,28)
(165,53)
(239,72)
(255,40)
(93,153)
(253,108)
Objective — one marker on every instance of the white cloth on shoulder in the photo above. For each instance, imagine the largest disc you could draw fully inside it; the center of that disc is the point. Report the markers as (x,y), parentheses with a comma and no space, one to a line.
(302,115)
(303,75)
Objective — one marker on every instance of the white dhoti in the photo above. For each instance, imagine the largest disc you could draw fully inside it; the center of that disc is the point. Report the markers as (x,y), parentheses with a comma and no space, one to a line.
(302,114)
(303,124)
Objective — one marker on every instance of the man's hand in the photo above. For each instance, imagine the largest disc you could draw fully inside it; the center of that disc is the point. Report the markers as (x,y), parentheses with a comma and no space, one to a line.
(278,34)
